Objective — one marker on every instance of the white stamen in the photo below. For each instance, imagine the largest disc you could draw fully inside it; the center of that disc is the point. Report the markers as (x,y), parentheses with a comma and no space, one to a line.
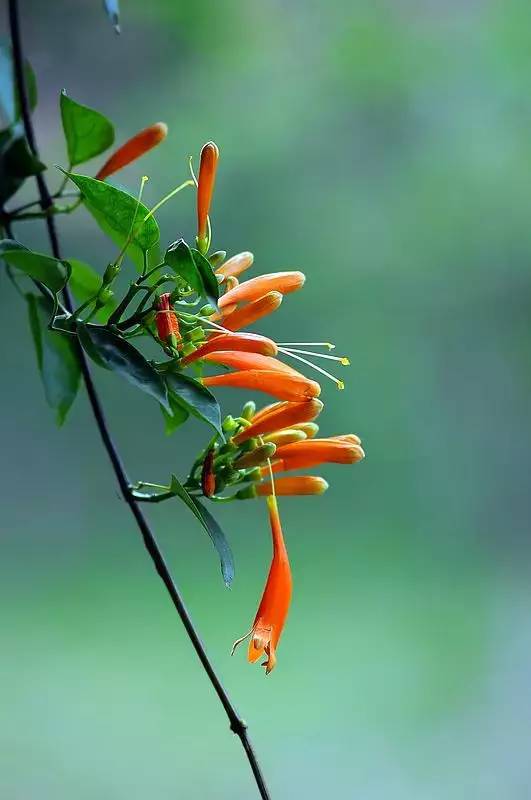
(328,345)
(341,360)
(339,384)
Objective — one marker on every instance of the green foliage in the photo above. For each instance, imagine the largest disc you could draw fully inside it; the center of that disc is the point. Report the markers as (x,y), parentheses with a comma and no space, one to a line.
(50,271)
(88,133)
(56,357)
(17,163)
(194,268)
(211,526)
(9,101)
(119,215)
(195,398)
(85,282)
(118,355)
(178,415)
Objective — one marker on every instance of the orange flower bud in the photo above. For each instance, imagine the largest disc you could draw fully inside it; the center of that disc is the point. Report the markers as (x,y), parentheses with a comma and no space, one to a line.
(256,457)
(235,265)
(242,342)
(310,429)
(297,485)
(248,314)
(280,416)
(283,282)
(135,147)
(166,320)
(247,360)
(279,384)
(208,162)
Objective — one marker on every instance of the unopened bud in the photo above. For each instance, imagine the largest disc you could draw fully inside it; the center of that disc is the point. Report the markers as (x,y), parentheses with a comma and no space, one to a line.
(207,311)
(105,295)
(110,274)
(256,457)
(249,410)
(208,162)
(229,424)
(217,258)
(246,494)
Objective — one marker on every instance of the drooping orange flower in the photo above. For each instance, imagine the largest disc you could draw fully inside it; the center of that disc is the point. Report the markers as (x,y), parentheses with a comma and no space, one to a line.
(134,148)
(166,320)
(253,289)
(279,384)
(208,162)
(241,342)
(251,312)
(235,265)
(274,605)
(279,416)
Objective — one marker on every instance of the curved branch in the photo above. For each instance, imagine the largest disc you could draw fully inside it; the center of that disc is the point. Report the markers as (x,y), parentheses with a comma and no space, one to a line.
(237,724)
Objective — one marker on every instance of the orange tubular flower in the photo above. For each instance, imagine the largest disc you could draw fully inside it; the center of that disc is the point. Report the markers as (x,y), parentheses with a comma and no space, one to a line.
(296,485)
(247,360)
(279,384)
(252,312)
(312,452)
(274,605)
(208,162)
(283,282)
(242,342)
(135,147)
(234,266)
(166,321)
(280,416)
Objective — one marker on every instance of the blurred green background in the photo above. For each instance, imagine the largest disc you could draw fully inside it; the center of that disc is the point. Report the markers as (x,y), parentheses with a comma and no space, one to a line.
(385,149)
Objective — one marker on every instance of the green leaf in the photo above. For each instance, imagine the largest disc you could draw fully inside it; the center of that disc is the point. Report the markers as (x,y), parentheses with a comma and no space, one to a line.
(211,526)
(50,271)
(88,133)
(116,354)
(113,12)
(85,282)
(115,211)
(209,279)
(17,163)
(56,357)
(195,398)
(178,415)
(9,101)
(194,268)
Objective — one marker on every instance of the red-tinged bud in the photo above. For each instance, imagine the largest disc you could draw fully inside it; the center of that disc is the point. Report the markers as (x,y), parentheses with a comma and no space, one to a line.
(235,265)
(208,478)
(283,282)
(134,148)
(297,485)
(166,321)
(208,162)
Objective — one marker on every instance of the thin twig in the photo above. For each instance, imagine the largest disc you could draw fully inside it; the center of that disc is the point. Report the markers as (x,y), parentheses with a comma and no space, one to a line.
(237,724)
